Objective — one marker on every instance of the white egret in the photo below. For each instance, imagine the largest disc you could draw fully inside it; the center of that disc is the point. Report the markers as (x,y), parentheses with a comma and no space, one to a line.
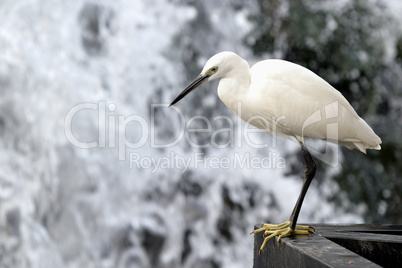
(277,95)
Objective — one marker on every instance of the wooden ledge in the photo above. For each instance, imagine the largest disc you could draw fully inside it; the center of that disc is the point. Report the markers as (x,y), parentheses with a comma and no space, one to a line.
(360,245)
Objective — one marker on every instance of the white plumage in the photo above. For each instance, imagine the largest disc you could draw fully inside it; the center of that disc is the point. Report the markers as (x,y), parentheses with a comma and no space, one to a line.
(280,96)
(284,95)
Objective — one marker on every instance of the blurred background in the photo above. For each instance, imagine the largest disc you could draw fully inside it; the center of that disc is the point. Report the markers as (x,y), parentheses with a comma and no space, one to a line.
(64,205)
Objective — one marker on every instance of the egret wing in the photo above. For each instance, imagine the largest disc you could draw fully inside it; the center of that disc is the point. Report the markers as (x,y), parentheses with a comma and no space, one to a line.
(307,105)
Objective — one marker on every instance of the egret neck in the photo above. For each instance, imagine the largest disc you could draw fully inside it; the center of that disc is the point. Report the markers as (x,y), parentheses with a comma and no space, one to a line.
(234,86)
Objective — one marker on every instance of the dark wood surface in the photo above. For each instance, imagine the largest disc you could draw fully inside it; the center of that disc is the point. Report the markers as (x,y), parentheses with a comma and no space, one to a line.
(360,245)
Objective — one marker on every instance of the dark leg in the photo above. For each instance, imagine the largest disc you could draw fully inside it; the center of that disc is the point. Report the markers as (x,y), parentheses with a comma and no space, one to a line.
(289,228)
(308,177)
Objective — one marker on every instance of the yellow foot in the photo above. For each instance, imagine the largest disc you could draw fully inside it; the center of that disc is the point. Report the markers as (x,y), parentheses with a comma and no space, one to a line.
(281,230)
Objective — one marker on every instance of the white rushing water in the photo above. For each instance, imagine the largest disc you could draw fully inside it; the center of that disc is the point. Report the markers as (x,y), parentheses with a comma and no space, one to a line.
(81,74)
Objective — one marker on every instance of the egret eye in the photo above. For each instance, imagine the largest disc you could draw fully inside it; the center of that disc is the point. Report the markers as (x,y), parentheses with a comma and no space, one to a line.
(214,69)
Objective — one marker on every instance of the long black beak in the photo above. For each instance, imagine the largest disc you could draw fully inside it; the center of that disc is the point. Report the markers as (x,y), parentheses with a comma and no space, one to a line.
(201,79)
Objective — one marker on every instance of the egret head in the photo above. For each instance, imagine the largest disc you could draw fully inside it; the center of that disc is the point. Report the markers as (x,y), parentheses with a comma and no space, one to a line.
(218,66)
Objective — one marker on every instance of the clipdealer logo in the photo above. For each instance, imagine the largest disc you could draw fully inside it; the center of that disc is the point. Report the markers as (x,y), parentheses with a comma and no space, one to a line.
(112,130)
(112,133)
